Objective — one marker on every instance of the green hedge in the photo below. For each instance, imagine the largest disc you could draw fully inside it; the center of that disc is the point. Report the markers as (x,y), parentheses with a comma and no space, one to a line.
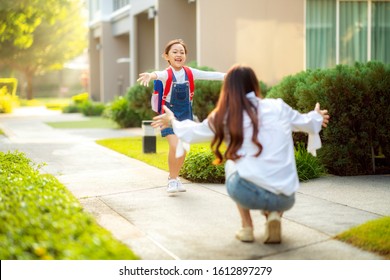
(40,219)
(358,99)
(139,101)
(198,166)
(120,112)
(91,108)
(81,103)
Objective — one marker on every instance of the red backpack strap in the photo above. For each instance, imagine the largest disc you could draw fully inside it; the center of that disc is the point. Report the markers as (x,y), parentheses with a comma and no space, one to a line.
(190,80)
(168,84)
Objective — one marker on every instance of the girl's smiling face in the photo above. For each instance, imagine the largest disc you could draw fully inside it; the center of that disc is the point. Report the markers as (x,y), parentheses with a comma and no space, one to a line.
(176,56)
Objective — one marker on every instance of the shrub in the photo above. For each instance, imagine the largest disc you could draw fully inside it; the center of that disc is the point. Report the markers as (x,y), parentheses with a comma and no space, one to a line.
(7,101)
(40,219)
(205,97)
(264,89)
(80,98)
(89,108)
(121,113)
(9,85)
(308,166)
(139,101)
(198,166)
(286,89)
(77,103)
(71,108)
(377,76)
(357,98)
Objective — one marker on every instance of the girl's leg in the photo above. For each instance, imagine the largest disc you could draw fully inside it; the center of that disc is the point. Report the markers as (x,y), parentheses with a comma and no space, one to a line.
(174,164)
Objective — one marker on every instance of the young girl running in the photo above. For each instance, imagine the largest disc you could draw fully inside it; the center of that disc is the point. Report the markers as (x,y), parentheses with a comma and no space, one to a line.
(178,100)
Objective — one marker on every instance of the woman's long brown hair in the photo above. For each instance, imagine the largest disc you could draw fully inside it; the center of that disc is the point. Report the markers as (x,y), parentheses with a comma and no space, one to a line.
(227,118)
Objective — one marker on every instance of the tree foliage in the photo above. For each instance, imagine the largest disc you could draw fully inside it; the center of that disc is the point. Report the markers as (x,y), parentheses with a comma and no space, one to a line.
(20,18)
(41,35)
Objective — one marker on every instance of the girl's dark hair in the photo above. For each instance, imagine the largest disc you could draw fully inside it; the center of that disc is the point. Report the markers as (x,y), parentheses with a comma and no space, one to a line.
(227,118)
(174,42)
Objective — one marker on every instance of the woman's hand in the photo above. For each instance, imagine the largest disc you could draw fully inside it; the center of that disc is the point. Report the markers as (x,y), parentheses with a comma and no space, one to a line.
(164,120)
(144,78)
(324,114)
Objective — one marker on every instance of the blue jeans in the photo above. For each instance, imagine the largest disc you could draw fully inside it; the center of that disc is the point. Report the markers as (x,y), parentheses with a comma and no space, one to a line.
(250,196)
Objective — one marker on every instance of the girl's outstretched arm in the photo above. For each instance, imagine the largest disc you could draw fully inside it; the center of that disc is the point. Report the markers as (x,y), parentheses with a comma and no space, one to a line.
(145,78)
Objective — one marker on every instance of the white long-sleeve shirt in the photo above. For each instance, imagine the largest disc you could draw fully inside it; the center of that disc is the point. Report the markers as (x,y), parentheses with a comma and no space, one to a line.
(274,169)
(180,76)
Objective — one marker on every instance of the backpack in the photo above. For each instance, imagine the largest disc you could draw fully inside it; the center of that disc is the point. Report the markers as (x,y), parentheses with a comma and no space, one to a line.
(160,93)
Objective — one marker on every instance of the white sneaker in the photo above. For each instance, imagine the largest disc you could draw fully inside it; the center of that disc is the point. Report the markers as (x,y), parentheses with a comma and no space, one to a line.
(172,186)
(180,186)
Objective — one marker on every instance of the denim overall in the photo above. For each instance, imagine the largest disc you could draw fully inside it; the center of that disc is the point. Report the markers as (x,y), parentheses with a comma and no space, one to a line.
(180,103)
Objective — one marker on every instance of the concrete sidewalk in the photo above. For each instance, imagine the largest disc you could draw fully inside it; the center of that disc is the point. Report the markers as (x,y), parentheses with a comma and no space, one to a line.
(128,198)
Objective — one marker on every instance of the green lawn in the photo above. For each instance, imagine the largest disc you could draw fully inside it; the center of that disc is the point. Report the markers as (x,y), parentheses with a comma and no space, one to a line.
(91,122)
(373,236)
(132,147)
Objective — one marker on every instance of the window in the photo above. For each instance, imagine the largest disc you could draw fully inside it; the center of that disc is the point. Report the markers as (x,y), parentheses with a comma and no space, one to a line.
(380,32)
(120,3)
(344,32)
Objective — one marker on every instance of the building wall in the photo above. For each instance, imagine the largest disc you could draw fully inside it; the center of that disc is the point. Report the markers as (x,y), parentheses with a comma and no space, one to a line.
(94,66)
(121,70)
(266,35)
(145,44)
(176,19)
(109,53)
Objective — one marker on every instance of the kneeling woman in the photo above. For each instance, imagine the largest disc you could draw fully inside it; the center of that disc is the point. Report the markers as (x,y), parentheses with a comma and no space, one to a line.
(260,164)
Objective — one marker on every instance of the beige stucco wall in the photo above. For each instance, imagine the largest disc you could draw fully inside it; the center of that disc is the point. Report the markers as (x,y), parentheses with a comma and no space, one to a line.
(94,67)
(145,43)
(175,19)
(266,35)
(112,73)
(121,70)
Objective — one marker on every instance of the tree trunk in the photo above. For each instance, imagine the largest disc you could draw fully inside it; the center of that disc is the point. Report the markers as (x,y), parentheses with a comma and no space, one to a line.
(29,79)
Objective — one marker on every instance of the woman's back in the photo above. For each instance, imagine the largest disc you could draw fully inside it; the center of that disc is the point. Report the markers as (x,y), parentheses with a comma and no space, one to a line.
(274,169)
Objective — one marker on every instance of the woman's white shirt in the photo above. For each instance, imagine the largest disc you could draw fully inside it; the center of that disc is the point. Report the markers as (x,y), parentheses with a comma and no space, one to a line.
(181,78)
(275,168)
